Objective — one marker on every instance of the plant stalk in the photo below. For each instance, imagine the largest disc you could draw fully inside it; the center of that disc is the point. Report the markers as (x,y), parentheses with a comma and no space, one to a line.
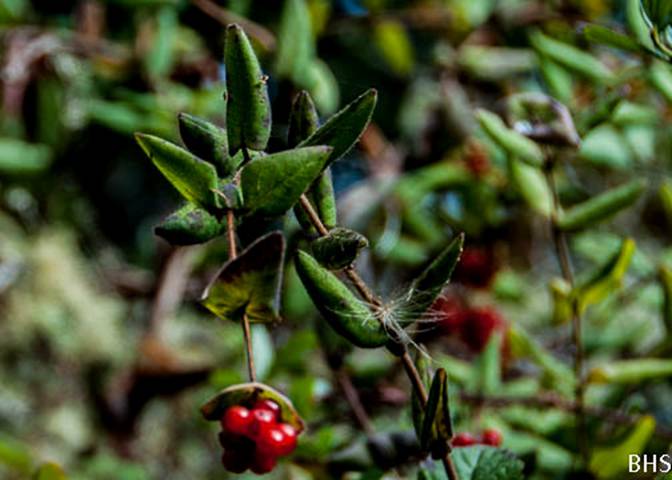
(368,295)
(564,259)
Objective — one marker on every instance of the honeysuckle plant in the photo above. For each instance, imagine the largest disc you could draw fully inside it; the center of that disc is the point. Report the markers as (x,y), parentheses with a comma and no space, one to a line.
(227,179)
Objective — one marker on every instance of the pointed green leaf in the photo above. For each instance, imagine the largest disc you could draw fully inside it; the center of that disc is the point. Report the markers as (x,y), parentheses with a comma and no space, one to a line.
(303,119)
(601,207)
(417,411)
(271,185)
(658,16)
(571,57)
(488,367)
(429,284)
(665,278)
(347,314)
(339,249)
(531,185)
(23,158)
(607,279)
(606,36)
(248,116)
(296,42)
(50,471)
(613,461)
(635,370)
(195,179)
(487,463)
(345,127)
(207,141)
(248,394)
(511,141)
(189,225)
(250,283)
(437,425)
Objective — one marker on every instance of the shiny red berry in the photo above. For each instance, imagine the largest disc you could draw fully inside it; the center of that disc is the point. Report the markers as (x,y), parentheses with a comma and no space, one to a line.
(235,461)
(291,438)
(270,405)
(262,419)
(272,441)
(479,325)
(491,437)
(263,463)
(237,420)
(464,439)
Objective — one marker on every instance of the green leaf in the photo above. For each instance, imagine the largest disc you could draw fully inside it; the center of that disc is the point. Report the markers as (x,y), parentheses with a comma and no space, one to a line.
(303,119)
(607,279)
(22,158)
(437,424)
(15,455)
(348,315)
(601,207)
(428,285)
(631,371)
(487,463)
(323,86)
(345,127)
(495,64)
(189,225)
(248,116)
(250,283)
(606,36)
(488,367)
(604,146)
(208,142)
(511,141)
(571,57)
(296,42)
(613,461)
(661,78)
(658,16)
(50,471)
(271,185)
(531,185)
(339,249)
(195,179)
(394,44)
(248,394)
(303,122)
(665,278)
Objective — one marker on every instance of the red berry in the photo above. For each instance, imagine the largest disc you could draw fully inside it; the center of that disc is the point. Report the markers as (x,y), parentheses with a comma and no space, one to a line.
(238,442)
(271,441)
(235,461)
(290,438)
(480,324)
(270,405)
(477,267)
(236,420)
(262,419)
(491,437)
(464,439)
(263,463)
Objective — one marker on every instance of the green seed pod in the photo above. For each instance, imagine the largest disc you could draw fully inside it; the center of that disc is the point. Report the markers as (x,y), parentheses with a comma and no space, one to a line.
(511,141)
(189,225)
(207,141)
(348,315)
(248,116)
(339,249)
(601,207)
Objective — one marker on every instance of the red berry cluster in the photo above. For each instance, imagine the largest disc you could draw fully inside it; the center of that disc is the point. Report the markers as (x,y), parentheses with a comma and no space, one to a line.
(489,436)
(255,438)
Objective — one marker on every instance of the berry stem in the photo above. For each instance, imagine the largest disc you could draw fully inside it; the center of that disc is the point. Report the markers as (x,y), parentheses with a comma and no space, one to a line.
(367,294)
(233,253)
(564,259)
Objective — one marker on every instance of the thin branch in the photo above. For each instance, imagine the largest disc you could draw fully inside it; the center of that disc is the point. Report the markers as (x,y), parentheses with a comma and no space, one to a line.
(353,399)
(564,259)
(226,17)
(370,297)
